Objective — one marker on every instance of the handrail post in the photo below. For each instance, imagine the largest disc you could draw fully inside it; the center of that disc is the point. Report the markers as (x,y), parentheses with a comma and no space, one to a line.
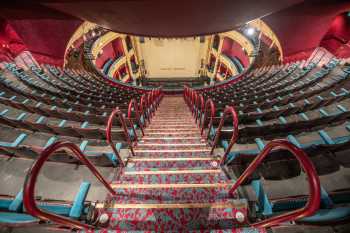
(195,105)
(208,103)
(150,104)
(232,111)
(115,112)
(31,178)
(193,100)
(131,104)
(313,203)
(144,107)
(200,114)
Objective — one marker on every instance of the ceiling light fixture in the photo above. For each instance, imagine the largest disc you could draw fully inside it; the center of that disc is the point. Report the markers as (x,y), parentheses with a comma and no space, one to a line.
(250,31)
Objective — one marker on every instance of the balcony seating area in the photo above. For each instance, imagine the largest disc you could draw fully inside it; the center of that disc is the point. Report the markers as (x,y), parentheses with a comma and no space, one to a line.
(307,105)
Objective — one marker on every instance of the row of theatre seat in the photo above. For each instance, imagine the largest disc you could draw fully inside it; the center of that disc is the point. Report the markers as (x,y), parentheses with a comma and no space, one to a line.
(306,105)
(41,106)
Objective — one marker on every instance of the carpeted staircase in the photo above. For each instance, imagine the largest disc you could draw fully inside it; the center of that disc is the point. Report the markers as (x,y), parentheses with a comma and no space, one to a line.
(173,183)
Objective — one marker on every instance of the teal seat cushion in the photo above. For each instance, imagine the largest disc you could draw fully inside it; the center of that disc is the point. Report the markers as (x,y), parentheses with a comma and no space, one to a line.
(16,218)
(57,209)
(5,203)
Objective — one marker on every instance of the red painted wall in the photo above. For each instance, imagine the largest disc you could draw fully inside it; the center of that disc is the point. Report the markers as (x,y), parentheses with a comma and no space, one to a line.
(338,36)
(302,26)
(11,45)
(46,38)
(232,49)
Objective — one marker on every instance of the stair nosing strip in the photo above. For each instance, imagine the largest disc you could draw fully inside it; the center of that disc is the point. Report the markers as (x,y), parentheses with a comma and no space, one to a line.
(173,185)
(174,159)
(169,151)
(194,171)
(215,205)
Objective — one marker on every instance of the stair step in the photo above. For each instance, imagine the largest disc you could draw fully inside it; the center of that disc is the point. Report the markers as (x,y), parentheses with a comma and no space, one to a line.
(172,185)
(188,159)
(172,146)
(176,216)
(173,171)
(171,138)
(188,139)
(170,150)
(178,133)
(216,205)
(191,125)
(166,195)
(175,121)
(173,130)
(179,163)
(181,177)
(173,153)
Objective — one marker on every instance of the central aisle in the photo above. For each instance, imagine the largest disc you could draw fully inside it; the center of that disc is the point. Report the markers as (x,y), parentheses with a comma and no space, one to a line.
(173,183)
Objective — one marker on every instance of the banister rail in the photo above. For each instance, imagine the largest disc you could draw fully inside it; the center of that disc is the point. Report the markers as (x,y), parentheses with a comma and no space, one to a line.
(314,183)
(132,104)
(200,107)
(31,178)
(186,90)
(144,107)
(150,104)
(228,110)
(115,112)
(194,102)
(208,103)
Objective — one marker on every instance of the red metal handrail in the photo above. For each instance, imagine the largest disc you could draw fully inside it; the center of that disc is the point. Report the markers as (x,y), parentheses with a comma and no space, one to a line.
(31,178)
(194,103)
(201,103)
(126,132)
(314,183)
(228,110)
(150,103)
(196,106)
(189,93)
(208,103)
(144,107)
(193,100)
(133,103)
(186,93)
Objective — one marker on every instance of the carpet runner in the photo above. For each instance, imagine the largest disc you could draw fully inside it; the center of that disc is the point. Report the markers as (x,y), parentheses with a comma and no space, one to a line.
(173,184)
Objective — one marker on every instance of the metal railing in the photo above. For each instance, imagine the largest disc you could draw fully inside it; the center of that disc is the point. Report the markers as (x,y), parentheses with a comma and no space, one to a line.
(314,183)
(228,110)
(31,178)
(200,105)
(144,107)
(133,105)
(117,112)
(208,103)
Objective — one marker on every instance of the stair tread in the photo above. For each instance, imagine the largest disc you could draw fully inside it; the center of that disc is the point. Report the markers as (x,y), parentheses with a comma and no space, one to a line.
(172,185)
(171,194)
(171,171)
(226,203)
